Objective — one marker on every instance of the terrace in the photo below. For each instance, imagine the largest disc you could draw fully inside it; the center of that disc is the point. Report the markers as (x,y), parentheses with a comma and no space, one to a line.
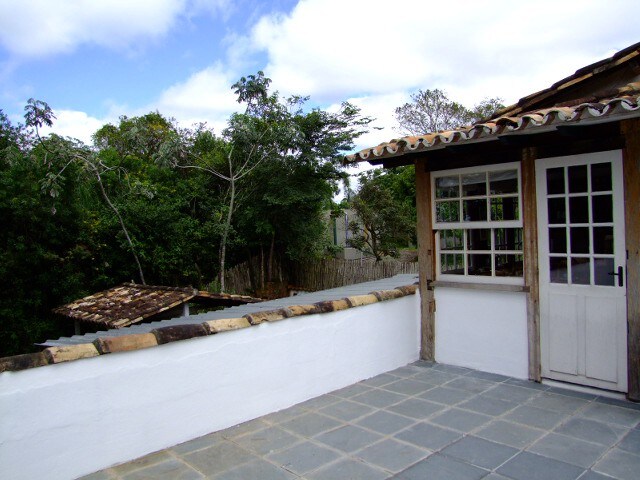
(420,421)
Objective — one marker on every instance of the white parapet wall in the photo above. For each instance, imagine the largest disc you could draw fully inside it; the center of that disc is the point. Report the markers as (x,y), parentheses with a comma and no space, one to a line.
(67,420)
(484,330)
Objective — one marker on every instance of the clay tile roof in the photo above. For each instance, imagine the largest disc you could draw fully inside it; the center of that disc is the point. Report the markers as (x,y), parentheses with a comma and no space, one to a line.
(126,304)
(530,113)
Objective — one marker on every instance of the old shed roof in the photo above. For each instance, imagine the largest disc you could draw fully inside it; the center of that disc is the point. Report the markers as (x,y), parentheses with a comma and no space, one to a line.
(131,303)
(597,93)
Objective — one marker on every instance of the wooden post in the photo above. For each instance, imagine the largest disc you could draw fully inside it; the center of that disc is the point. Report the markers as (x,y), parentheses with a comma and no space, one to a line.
(530,253)
(425,262)
(631,170)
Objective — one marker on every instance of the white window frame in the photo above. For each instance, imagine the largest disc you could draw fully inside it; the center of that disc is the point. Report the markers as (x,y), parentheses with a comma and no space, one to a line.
(473,225)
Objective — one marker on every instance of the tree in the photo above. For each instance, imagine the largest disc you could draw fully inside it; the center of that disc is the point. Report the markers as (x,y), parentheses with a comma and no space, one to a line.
(433,111)
(385,222)
(69,151)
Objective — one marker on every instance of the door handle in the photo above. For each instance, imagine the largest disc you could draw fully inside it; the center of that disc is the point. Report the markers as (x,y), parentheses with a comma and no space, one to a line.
(620,275)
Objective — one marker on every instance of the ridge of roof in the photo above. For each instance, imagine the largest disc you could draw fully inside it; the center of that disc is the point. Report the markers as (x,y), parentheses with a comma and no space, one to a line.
(624,102)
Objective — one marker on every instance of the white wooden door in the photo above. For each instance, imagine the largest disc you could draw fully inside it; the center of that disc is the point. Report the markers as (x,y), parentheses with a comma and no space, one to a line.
(582,271)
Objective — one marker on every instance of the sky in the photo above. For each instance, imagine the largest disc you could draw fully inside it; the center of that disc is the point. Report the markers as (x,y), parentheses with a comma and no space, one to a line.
(94,61)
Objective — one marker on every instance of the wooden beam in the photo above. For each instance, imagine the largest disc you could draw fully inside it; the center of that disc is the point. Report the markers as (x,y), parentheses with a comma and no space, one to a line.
(426,263)
(531,277)
(631,169)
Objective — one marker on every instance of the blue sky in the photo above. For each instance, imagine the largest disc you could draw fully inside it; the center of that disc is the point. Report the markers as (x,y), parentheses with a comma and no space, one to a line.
(95,60)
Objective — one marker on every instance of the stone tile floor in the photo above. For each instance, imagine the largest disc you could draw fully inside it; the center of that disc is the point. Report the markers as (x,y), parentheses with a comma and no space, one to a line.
(421,421)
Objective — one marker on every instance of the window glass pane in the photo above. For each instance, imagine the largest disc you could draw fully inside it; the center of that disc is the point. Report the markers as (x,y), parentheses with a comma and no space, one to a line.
(602,269)
(448,211)
(508,265)
(601,177)
(602,206)
(474,184)
(556,210)
(479,264)
(508,239)
(578,179)
(475,210)
(479,239)
(603,240)
(447,187)
(579,209)
(452,263)
(558,240)
(503,182)
(555,180)
(451,240)
(558,269)
(580,271)
(504,208)
(579,239)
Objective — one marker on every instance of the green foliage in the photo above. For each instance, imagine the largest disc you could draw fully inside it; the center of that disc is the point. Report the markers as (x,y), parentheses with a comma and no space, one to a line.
(432,111)
(386,216)
(76,216)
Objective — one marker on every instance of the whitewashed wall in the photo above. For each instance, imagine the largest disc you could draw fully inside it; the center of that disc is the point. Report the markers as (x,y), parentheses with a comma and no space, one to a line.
(67,420)
(485,330)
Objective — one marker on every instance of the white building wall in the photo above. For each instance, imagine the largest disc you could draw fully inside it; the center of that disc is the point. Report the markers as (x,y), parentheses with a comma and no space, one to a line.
(70,419)
(485,330)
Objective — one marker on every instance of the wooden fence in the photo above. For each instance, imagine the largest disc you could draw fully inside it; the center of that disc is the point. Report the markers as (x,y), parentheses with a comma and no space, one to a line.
(250,277)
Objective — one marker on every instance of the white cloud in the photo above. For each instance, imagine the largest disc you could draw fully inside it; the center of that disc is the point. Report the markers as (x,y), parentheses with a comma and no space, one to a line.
(332,49)
(36,28)
(206,96)
(75,124)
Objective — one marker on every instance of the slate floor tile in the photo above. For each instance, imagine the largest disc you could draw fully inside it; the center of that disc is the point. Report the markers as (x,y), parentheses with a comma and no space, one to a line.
(480,452)
(416,408)
(346,410)
(591,475)
(488,405)
(244,428)
(471,384)
(319,402)
(631,442)
(569,450)
(591,431)
(142,462)
(380,380)
(619,464)
(197,444)
(384,422)
(557,403)
(101,475)
(460,420)
(258,469)
(428,436)
(619,402)
(408,386)
(492,377)
(392,455)
(348,438)
(348,469)
(284,415)
(406,371)
(446,395)
(610,414)
(351,390)
(378,398)
(304,457)
(440,467)
(512,434)
(572,393)
(535,417)
(267,440)
(219,458)
(310,424)
(454,369)
(526,384)
(511,393)
(527,466)
(435,377)
(167,470)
